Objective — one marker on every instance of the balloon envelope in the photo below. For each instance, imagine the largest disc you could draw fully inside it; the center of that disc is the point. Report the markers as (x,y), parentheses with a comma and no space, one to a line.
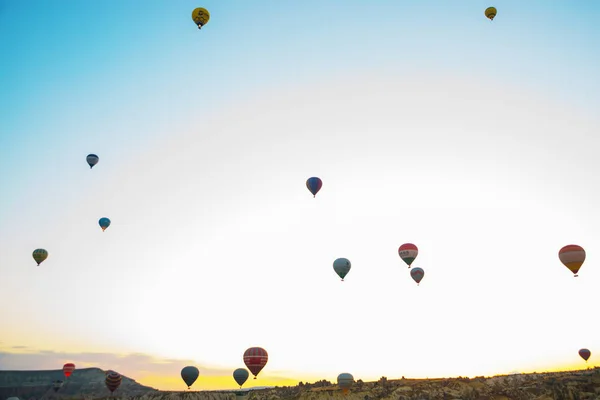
(345,381)
(255,359)
(241,376)
(68,369)
(200,16)
(342,266)
(92,160)
(189,375)
(314,184)
(491,12)
(572,256)
(585,354)
(417,274)
(112,380)
(39,255)
(104,223)
(408,252)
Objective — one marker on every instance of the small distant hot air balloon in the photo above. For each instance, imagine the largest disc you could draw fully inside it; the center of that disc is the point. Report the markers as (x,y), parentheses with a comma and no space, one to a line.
(408,252)
(345,381)
(112,380)
(241,376)
(39,255)
(342,266)
(255,359)
(56,385)
(92,160)
(314,184)
(417,274)
(572,256)
(490,13)
(68,369)
(104,223)
(200,16)
(585,354)
(189,375)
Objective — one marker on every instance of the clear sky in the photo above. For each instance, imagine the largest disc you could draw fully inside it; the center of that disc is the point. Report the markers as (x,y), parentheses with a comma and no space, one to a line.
(475,140)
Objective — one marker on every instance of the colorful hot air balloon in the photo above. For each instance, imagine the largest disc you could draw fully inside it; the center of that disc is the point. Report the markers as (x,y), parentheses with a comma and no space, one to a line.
(345,381)
(39,255)
(408,252)
(490,13)
(585,354)
(255,359)
(342,266)
(68,369)
(314,184)
(241,376)
(417,274)
(572,256)
(92,160)
(200,16)
(112,380)
(104,223)
(189,375)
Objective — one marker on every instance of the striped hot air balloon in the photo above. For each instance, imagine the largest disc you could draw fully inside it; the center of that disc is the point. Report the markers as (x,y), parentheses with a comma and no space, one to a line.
(68,369)
(417,274)
(345,381)
(572,256)
(255,359)
(113,380)
(408,252)
(92,160)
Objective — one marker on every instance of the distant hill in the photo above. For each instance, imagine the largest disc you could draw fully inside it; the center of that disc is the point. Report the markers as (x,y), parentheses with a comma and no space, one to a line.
(89,384)
(84,382)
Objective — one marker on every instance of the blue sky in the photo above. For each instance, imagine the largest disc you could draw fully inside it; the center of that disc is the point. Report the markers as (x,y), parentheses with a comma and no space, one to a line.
(427,122)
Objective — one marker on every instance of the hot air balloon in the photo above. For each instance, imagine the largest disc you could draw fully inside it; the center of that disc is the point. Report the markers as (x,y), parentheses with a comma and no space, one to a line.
(342,266)
(200,16)
(417,274)
(314,184)
(56,385)
(112,380)
(39,255)
(585,354)
(572,256)
(255,359)
(104,223)
(68,369)
(345,381)
(189,375)
(241,376)
(92,160)
(408,252)
(490,12)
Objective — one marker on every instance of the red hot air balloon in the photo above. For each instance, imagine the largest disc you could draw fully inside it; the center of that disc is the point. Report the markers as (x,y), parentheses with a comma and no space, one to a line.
(255,359)
(68,369)
(585,354)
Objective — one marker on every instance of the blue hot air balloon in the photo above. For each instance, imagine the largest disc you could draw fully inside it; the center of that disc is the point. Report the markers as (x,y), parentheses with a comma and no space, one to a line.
(314,184)
(104,223)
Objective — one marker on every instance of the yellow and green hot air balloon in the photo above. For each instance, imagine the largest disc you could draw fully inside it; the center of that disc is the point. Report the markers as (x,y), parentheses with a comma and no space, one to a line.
(490,13)
(200,16)
(39,255)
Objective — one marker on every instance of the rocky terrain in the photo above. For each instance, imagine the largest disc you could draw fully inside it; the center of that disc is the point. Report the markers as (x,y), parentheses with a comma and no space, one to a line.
(572,385)
(86,382)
